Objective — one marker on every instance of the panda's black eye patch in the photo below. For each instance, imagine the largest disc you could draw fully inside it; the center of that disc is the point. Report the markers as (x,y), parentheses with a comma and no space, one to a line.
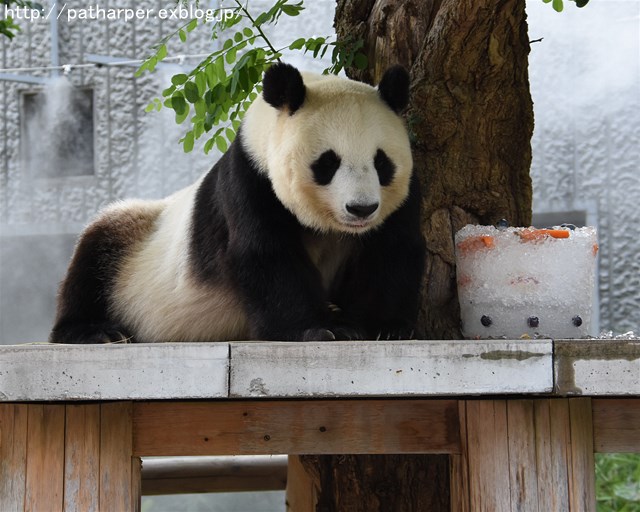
(385,168)
(325,167)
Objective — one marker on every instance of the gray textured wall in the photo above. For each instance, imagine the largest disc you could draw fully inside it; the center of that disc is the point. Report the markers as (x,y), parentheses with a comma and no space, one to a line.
(584,80)
(585,83)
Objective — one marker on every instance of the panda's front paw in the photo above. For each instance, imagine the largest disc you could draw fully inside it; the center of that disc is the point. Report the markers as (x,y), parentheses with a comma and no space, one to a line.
(340,333)
(318,334)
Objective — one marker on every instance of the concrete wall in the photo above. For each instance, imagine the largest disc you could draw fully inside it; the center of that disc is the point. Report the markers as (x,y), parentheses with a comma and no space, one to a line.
(585,83)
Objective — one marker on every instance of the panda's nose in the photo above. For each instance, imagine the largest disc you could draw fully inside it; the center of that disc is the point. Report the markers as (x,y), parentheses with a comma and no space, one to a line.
(362,210)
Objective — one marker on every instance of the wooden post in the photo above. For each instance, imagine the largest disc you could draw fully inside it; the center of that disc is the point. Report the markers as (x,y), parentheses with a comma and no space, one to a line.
(526,455)
(68,458)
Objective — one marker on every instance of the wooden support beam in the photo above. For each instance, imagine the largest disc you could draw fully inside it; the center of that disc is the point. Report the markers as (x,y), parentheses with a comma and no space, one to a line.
(13,456)
(300,427)
(45,458)
(117,489)
(302,495)
(82,457)
(58,457)
(526,455)
(616,425)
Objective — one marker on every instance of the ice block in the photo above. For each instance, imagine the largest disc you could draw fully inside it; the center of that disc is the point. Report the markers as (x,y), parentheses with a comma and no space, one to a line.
(519,282)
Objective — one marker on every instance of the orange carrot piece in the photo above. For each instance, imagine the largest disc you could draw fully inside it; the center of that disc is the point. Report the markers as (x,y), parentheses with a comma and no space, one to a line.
(529,235)
(476,243)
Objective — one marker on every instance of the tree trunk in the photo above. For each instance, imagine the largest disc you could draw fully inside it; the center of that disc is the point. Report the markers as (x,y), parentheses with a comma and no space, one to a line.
(470,121)
(385,483)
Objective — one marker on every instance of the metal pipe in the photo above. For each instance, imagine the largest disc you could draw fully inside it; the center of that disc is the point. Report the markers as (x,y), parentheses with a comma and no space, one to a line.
(183,475)
(55,46)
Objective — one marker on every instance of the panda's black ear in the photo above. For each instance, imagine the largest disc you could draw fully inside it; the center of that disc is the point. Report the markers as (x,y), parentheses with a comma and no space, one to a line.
(283,88)
(394,88)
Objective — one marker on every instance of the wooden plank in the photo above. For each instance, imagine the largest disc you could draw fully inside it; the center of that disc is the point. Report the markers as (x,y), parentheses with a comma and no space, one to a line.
(136,484)
(116,491)
(13,456)
(582,484)
(82,457)
(488,454)
(523,468)
(597,367)
(616,425)
(45,458)
(552,438)
(114,372)
(302,495)
(459,467)
(390,368)
(300,427)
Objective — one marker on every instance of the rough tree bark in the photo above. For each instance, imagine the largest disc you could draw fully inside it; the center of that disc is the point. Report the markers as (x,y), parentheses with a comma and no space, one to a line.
(471,121)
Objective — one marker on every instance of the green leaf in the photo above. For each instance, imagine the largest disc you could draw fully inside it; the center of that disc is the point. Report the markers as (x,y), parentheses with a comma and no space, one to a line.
(558,5)
(180,118)
(169,91)
(162,52)
(210,72)
(179,79)
(198,129)
(220,69)
(178,104)
(208,146)
(248,32)
(201,82)
(291,10)
(231,135)
(151,106)
(238,37)
(262,19)
(230,56)
(183,35)
(191,92)
(360,60)
(297,44)
(227,44)
(221,144)
(188,142)
(152,63)
(192,24)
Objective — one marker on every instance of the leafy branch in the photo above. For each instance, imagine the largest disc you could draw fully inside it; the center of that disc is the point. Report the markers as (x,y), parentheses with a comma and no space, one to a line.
(558,5)
(217,92)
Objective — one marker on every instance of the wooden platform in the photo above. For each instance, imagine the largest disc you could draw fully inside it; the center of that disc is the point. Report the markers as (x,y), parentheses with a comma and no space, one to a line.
(520,420)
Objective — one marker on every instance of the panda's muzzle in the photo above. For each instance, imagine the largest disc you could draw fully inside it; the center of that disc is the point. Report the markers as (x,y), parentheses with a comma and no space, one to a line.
(362,211)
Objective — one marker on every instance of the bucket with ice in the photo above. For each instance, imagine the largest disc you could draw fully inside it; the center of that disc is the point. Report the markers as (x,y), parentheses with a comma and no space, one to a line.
(525,282)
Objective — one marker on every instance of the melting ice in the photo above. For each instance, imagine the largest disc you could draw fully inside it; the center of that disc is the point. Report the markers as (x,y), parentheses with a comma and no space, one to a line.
(516,282)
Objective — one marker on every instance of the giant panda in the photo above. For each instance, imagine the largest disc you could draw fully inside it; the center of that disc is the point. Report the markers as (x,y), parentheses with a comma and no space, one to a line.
(307,228)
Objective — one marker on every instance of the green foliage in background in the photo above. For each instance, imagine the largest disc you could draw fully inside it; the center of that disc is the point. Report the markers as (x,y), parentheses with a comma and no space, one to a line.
(618,482)
(8,27)
(218,91)
(558,5)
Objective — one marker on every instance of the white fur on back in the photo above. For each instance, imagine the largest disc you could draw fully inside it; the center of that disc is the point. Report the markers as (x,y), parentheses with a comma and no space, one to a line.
(339,114)
(157,295)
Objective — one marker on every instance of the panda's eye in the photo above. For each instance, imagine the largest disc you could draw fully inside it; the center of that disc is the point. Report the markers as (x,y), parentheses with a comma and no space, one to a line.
(325,167)
(385,168)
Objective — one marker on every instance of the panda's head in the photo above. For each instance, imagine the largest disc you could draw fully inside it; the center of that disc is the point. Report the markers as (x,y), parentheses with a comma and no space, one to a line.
(335,150)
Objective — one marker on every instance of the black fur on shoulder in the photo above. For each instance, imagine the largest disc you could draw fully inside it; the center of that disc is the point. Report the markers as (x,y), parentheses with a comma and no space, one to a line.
(394,88)
(283,88)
